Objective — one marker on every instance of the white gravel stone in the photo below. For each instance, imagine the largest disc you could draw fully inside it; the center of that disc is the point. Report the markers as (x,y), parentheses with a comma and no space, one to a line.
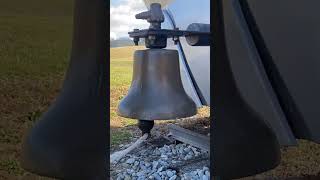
(206,169)
(160,169)
(173,177)
(156,176)
(130,161)
(204,177)
(154,163)
(169,173)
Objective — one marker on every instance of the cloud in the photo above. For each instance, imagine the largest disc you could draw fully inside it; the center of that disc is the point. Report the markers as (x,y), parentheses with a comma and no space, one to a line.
(122,18)
(113,36)
(163,3)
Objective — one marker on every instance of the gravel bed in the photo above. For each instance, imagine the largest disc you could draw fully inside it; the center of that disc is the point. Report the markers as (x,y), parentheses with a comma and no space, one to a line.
(168,162)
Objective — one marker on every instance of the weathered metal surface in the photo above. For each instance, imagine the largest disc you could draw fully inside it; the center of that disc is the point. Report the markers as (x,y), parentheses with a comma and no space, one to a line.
(244,142)
(198,39)
(288,40)
(156,91)
(189,137)
(251,79)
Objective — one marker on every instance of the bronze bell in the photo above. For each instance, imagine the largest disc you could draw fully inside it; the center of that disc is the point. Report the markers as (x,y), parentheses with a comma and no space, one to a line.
(156,91)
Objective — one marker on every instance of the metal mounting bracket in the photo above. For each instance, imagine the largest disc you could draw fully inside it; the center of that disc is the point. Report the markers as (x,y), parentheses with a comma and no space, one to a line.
(155,37)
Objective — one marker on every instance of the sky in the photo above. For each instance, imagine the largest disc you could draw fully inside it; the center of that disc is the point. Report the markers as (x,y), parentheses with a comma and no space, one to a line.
(122,17)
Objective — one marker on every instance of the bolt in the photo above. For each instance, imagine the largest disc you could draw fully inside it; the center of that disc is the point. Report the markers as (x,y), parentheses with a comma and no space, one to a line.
(175,40)
(152,39)
(136,41)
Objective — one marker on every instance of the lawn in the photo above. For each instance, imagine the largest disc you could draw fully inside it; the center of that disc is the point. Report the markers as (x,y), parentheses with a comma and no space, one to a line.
(35,42)
(121,60)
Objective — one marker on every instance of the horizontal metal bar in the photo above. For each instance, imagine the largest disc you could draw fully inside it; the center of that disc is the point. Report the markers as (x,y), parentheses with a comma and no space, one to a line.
(167,32)
(189,137)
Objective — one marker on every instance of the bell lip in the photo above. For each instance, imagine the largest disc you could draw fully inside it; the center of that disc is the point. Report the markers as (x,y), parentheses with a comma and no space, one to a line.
(157,117)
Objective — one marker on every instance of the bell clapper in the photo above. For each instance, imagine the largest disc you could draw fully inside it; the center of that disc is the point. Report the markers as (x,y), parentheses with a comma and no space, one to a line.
(145,126)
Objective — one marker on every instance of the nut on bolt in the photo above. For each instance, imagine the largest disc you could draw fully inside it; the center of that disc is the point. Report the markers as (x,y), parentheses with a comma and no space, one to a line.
(136,39)
(152,38)
(175,38)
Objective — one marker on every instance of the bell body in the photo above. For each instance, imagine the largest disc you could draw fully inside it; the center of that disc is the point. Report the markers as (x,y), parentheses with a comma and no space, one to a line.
(156,91)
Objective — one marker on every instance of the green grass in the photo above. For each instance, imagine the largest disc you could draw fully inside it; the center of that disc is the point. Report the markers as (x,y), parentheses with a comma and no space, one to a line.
(120,137)
(120,79)
(12,167)
(35,42)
